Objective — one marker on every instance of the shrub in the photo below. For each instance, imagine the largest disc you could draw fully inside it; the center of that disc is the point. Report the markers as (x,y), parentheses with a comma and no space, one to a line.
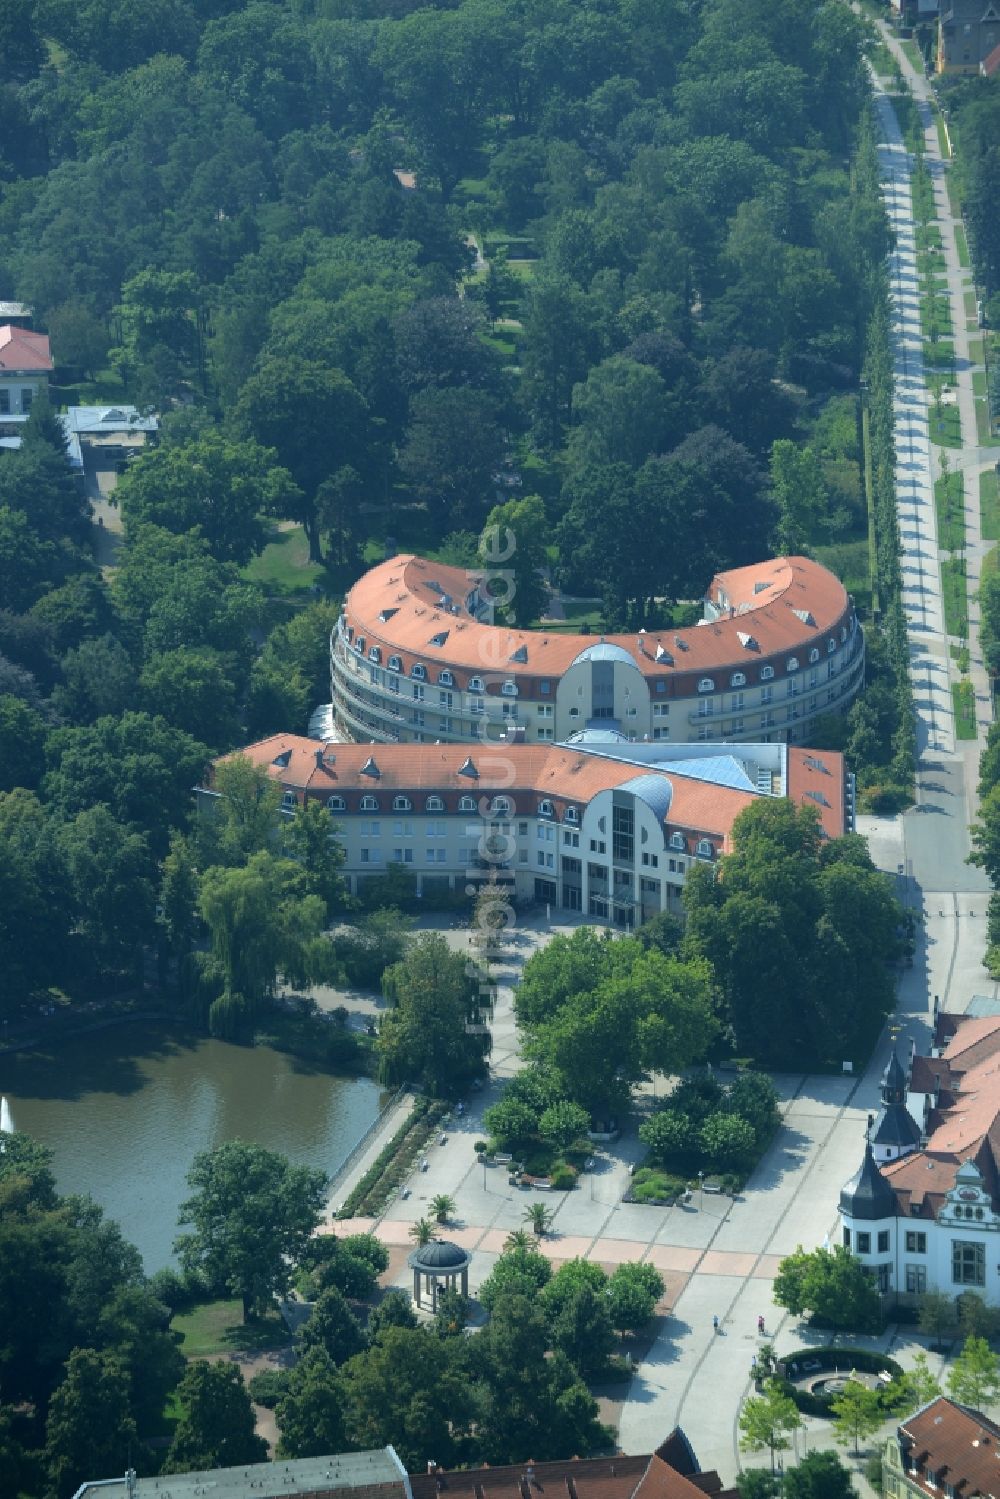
(656,1186)
(669,1133)
(563,1177)
(269,1386)
(177,1291)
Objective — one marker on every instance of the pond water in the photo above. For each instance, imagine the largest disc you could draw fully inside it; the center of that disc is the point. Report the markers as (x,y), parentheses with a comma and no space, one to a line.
(125,1111)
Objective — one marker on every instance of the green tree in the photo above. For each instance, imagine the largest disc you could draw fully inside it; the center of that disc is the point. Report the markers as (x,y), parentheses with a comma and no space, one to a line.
(797,482)
(251,1215)
(985,835)
(220,487)
(832,1285)
(453,448)
(518,1271)
(442,1206)
(917,1386)
(246,808)
(110,876)
(310,1414)
(515,537)
(562,1124)
(411,1390)
(22,738)
(98,680)
(667,1134)
(857,1413)
(511,1123)
(90,1428)
(568,1280)
(308,839)
(766,1420)
(434,1032)
(421,1232)
(216,1424)
(974,1377)
(819,1475)
(191,688)
(332,1326)
(620,415)
(728,1141)
(633,1292)
(539,1217)
(582,1330)
(394,1310)
(936,1315)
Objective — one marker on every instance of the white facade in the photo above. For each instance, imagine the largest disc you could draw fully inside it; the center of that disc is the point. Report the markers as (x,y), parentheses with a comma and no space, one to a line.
(957,1251)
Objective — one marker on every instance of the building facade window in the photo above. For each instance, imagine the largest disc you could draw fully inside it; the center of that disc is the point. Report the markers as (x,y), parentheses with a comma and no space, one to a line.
(968,1263)
(916,1243)
(883,1241)
(622,835)
(916,1279)
(863,1243)
(706,685)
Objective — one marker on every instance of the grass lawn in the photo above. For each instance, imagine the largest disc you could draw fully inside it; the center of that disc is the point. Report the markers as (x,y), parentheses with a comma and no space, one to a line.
(977,354)
(956,603)
(576,617)
(978,383)
(964,700)
(945,426)
(283,567)
(848,561)
(935,314)
(984,429)
(940,355)
(989,505)
(942,136)
(962,244)
(954,196)
(971,314)
(949,499)
(502,342)
(218,1327)
(928,237)
(930,262)
(913,54)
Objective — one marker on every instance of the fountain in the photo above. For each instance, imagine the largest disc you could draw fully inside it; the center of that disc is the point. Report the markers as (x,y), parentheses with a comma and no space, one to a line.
(6,1121)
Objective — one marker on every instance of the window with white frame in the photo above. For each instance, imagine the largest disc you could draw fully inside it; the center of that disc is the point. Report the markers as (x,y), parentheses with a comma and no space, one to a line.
(288,799)
(402,804)
(705,849)
(467,804)
(570,839)
(476,684)
(677,840)
(545,809)
(418,672)
(509,688)
(500,805)
(706,685)
(571,815)
(766,673)
(792,664)
(402,829)
(434,804)
(369,804)
(335,804)
(446,679)
(395,664)
(418,692)
(814,655)
(738,679)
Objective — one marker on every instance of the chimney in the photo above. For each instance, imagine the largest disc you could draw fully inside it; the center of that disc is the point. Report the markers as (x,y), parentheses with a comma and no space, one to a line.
(319,759)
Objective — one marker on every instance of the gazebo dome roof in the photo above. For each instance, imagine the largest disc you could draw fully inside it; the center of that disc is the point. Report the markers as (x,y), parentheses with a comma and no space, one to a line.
(439,1254)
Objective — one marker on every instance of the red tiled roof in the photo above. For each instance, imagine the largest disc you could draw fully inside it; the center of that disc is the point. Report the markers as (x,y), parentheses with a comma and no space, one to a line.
(20,349)
(619,1477)
(525,772)
(990,64)
(816,779)
(951,1440)
(764,599)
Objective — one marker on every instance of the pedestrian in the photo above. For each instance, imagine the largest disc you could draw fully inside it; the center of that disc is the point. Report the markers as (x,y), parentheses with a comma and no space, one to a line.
(760,1326)
(753,1366)
(715,1324)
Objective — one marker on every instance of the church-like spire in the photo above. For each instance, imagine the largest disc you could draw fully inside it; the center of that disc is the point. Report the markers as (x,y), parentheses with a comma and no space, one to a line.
(868,1195)
(893,1081)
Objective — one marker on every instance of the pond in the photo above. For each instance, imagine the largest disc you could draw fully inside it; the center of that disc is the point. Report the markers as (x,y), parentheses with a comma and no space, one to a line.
(125,1111)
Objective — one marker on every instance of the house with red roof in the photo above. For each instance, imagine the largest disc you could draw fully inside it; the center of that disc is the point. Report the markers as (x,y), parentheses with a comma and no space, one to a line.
(603,828)
(922,1212)
(25,367)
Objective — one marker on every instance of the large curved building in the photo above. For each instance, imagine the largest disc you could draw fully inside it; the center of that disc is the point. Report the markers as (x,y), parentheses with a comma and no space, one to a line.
(416,658)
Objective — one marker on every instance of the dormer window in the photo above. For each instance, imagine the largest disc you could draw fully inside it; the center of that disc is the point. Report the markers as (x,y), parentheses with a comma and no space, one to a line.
(572,815)
(509,688)
(402,804)
(500,805)
(766,673)
(705,849)
(418,673)
(792,664)
(446,679)
(395,664)
(359,645)
(335,804)
(434,804)
(375,654)
(476,684)
(288,800)
(369,804)
(467,804)
(545,809)
(843,633)
(677,841)
(813,656)
(738,679)
(831,646)
(706,685)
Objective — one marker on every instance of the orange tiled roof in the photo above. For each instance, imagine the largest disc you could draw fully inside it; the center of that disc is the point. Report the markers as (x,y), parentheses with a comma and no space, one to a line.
(525,771)
(618,1477)
(400,590)
(816,779)
(20,349)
